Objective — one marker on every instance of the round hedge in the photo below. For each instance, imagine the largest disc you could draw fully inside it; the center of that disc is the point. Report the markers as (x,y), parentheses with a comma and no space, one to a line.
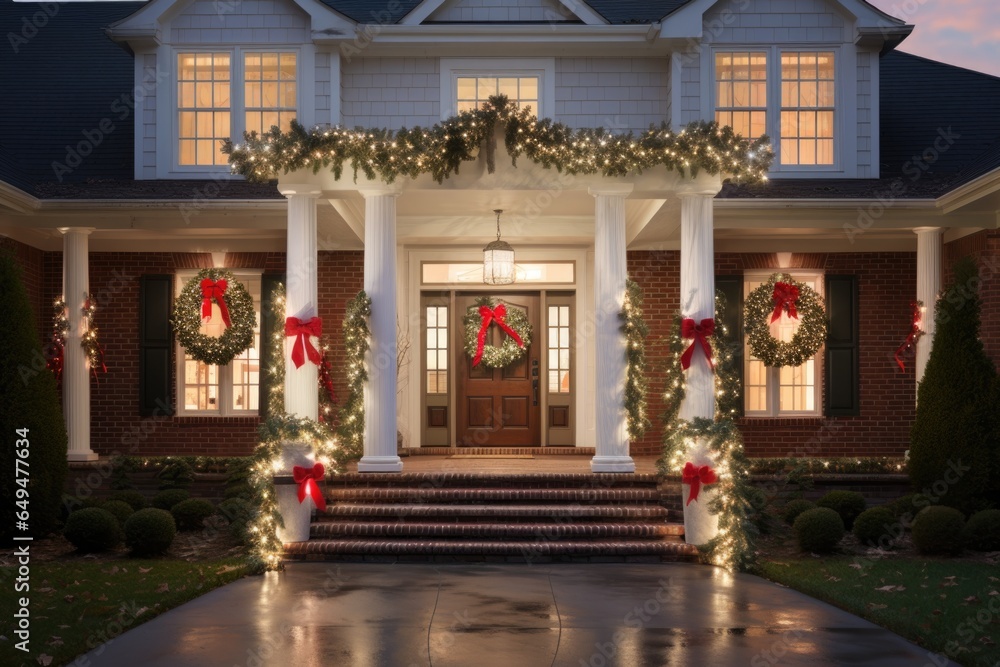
(150,531)
(938,530)
(136,500)
(93,529)
(796,507)
(120,509)
(908,506)
(72,504)
(819,530)
(848,504)
(982,532)
(165,500)
(190,514)
(873,527)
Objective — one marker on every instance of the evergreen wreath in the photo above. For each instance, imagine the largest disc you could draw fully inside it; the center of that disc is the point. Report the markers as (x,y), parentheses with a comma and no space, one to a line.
(186,319)
(810,335)
(509,351)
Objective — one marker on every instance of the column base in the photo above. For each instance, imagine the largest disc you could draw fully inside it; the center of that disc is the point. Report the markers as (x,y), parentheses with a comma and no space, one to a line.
(87,455)
(620,464)
(380,464)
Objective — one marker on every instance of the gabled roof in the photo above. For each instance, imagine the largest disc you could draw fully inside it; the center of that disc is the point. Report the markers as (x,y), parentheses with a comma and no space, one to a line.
(615,11)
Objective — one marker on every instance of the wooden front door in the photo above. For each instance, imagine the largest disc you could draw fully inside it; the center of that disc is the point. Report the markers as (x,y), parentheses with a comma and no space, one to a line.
(499,407)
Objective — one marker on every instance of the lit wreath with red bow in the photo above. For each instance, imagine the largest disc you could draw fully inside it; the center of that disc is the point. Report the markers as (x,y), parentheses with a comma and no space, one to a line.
(488,313)
(779,296)
(193,306)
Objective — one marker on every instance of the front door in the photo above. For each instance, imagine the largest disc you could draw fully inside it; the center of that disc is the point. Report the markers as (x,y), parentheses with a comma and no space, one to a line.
(499,407)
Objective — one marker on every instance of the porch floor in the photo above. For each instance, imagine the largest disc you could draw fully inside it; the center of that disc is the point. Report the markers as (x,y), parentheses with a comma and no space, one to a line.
(561,463)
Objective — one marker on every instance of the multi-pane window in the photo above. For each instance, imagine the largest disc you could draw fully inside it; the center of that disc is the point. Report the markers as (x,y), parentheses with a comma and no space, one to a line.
(559,350)
(807,108)
(437,349)
(270,94)
(474,90)
(788,390)
(224,390)
(741,91)
(203,107)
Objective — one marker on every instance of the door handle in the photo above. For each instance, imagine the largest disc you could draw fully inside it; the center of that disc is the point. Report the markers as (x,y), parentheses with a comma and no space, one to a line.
(534,392)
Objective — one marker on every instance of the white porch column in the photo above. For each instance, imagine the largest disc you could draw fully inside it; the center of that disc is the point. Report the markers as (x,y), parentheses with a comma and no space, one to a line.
(76,369)
(301,394)
(928,287)
(380,284)
(612,453)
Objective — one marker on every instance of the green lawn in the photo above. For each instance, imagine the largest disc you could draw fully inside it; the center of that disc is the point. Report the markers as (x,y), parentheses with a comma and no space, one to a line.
(79,605)
(946,606)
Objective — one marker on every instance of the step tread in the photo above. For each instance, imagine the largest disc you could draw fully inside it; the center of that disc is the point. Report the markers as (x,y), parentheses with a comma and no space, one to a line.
(342,509)
(438,479)
(495,529)
(612,547)
(417,494)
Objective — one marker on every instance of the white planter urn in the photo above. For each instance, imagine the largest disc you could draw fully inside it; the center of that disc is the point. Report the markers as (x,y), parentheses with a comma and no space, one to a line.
(700,526)
(296,516)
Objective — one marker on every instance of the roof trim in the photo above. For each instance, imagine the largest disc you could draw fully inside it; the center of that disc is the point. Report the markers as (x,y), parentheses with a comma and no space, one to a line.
(970,192)
(464,33)
(17,199)
(580,9)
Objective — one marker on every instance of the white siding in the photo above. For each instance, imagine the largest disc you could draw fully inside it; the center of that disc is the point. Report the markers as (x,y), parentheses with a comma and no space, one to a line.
(620,94)
(501,10)
(774,21)
(690,84)
(148,124)
(865,94)
(323,90)
(391,92)
(240,23)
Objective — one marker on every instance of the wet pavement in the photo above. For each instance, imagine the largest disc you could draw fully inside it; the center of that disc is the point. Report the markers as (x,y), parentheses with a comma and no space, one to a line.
(480,615)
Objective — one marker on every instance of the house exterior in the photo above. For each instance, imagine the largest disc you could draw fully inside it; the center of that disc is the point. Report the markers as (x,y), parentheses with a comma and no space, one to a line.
(112,183)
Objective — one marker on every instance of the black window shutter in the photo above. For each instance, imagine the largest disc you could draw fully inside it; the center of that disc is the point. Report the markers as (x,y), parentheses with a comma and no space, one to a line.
(843,395)
(269,326)
(732,289)
(156,350)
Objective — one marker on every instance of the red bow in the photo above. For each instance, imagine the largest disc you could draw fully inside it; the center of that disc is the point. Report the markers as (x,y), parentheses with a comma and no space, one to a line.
(696,476)
(785,295)
(306,478)
(911,340)
(700,334)
(296,327)
(490,315)
(214,289)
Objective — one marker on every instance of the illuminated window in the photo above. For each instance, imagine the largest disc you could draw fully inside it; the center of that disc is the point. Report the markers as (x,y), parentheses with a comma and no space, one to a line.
(788,390)
(203,107)
(474,90)
(559,350)
(270,92)
(807,108)
(741,91)
(437,349)
(229,390)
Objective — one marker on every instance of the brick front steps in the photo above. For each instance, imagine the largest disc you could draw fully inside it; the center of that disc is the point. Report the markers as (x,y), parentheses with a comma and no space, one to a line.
(494,517)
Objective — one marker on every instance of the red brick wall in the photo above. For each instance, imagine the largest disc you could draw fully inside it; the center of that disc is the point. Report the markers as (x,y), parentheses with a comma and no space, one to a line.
(984,248)
(887,284)
(32,261)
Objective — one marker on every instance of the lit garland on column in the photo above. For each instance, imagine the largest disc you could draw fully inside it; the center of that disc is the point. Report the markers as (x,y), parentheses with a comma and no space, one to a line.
(635,329)
(441,149)
(89,341)
(357,340)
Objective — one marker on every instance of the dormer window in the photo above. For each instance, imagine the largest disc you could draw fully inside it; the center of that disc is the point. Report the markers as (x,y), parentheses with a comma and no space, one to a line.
(474,90)
(466,83)
(807,107)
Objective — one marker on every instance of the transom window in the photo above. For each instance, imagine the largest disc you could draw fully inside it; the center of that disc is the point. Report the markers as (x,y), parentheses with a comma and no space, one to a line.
(474,90)
(741,91)
(807,108)
(789,390)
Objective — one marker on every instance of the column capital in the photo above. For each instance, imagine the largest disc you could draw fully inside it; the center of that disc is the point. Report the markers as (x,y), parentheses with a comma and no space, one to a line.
(76,230)
(301,190)
(927,230)
(611,190)
(706,194)
(385,190)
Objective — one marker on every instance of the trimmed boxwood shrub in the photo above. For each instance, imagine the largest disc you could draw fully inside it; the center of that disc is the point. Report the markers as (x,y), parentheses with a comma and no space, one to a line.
(848,504)
(238,512)
(190,514)
(150,531)
(796,507)
(120,509)
(165,500)
(873,527)
(909,505)
(93,529)
(135,500)
(819,530)
(938,530)
(982,532)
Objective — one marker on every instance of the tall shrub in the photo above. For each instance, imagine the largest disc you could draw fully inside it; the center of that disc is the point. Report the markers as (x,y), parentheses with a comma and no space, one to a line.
(954,438)
(28,400)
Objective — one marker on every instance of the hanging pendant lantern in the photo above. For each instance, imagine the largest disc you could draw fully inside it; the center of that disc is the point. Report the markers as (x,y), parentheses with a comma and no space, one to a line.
(498,260)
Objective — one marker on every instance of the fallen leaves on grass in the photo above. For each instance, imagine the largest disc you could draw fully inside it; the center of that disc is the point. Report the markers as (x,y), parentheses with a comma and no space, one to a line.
(949,581)
(163,588)
(969,600)
(891,588)
(144,570)
(69,598)
(44,659)
(226,568)
(872,606)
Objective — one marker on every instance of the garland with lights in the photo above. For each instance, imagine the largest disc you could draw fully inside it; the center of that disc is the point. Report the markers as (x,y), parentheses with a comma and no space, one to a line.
(194,304)
(766,304)
(913,337)
(92,347)
(441,149)
(514,321)
(357,342)
(635,329)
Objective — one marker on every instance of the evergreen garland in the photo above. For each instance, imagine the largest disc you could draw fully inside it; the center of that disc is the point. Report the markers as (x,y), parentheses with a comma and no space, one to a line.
(441,149)
(635,329)
(357,341)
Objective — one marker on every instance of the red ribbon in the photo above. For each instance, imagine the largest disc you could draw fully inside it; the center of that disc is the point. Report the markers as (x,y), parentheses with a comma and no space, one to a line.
(214,289)
(303,345)
(489,316)
(785,295)
(306,478)
(695,476)
(911,340)
(700,333)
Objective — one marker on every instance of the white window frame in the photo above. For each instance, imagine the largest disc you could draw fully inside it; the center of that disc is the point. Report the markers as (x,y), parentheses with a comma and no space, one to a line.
(225,397)
(543,68)
(844,105)
(169,146)
(774,374)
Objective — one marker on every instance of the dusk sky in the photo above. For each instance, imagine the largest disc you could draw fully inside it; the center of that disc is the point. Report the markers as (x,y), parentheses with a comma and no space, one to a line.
(959,32)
